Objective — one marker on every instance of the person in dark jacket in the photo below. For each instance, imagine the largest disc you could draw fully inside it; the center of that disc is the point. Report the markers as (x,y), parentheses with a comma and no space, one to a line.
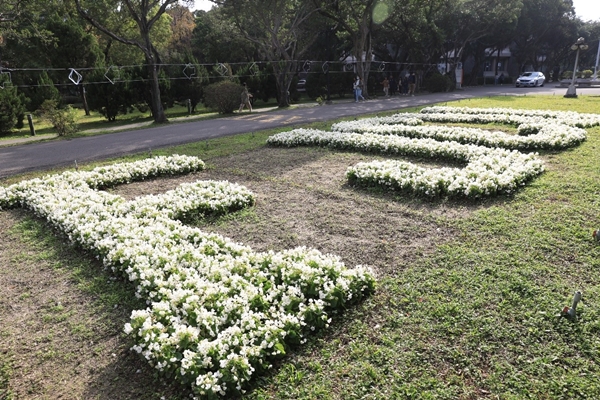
(412,84)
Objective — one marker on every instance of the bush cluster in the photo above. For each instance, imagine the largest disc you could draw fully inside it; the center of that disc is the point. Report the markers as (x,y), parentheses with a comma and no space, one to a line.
(437,83)
(12,109)
(224,96)
(63,120)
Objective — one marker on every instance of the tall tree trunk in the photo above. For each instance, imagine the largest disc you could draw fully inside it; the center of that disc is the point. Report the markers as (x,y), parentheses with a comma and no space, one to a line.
(363,61)
(158,111)
(284,71)
(86,108)
(283,98)
(144,21)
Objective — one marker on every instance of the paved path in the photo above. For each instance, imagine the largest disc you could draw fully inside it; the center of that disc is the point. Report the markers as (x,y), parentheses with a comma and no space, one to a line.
(17,159)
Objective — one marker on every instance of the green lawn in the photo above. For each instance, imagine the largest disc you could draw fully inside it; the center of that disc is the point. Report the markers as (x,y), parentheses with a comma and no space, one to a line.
(477,317)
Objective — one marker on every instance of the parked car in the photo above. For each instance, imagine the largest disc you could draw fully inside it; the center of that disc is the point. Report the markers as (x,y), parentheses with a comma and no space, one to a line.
(530,79)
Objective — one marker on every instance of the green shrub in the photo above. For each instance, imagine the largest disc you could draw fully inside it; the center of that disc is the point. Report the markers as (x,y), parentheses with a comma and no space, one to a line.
(45,90)
(63,120)
(224,96)
(191,88)
(140,86)
(437,83)
(587,73)
(567,74)
(111,99)
(12,109)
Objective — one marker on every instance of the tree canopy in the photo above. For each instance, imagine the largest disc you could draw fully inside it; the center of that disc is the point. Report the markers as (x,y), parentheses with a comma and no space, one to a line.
(270,43)
(145,14)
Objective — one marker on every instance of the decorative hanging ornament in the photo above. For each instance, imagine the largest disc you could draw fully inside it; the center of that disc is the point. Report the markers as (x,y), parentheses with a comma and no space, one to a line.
(189,71)
(75,76)
(254,70)
(306,66)
(5,78)
(115,73)
(222,69)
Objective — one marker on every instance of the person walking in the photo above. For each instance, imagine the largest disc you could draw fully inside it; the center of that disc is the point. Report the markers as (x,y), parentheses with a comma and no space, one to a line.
(404,85)
(412,84)
(386,86)
(358,90)
(393,86)
(245,97)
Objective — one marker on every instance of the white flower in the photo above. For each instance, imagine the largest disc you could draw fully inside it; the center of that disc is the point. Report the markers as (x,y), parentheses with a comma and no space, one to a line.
(489,170)
(205,294)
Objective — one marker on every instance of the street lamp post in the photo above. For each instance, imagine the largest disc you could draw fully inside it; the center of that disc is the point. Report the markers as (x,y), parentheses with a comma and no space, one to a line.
(578,45)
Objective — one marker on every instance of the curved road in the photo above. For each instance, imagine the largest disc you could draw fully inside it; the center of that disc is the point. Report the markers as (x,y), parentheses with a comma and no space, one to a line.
(43,155)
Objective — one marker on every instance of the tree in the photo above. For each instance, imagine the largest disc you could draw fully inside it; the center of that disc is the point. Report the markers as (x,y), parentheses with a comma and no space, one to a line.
(355,19)
(415,29)
(64,120)
(70,46)
(45,90)
(12,11)
(145,14)
(473,20)
(182,27)
(590,30)
(12,108)
(21,21)
(111,99)
(276,27)
(74,48)
(216,39)
(545,30)
(190,80)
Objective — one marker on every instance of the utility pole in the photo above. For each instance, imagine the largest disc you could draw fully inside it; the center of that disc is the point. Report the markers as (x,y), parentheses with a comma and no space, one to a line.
(595,77)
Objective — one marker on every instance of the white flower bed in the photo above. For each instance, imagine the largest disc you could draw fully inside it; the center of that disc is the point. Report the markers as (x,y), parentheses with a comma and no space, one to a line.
(548,136)
(109,175)
(217,311)
(515,116)
(537,129)
(465,115)
(488,171)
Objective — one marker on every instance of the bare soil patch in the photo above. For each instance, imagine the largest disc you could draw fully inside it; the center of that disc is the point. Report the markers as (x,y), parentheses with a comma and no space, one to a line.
(61,342)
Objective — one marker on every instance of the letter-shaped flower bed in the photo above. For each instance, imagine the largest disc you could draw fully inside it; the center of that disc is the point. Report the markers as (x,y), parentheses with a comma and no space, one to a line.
(217,311)
(493,164)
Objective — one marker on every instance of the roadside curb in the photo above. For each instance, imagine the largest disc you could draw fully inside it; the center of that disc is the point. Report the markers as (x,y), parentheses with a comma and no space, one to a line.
(31,139)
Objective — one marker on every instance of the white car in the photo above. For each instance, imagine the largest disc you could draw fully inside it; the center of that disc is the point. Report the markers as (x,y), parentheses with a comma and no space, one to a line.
(530,79)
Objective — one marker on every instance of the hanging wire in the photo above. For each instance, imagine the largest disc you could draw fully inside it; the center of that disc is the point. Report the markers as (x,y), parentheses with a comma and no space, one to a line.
(188,71)
(305,64)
